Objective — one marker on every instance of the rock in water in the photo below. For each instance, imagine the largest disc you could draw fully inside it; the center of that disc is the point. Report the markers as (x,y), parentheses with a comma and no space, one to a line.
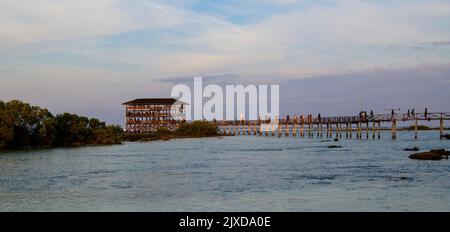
(334,146)
(411,149)
(336,140)
(446,136)
(431,155)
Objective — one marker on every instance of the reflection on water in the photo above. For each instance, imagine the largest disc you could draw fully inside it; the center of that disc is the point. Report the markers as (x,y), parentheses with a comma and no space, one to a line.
(230,174)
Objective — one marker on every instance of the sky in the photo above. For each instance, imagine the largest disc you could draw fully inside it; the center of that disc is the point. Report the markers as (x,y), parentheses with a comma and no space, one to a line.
(334,57)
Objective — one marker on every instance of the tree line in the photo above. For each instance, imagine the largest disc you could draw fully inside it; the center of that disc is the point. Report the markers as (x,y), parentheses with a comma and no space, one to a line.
(24,125)
(195,129)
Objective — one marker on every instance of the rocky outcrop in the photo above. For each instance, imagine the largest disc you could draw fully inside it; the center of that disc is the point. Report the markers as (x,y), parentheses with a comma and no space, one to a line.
(334,146)
(411,149)
(431,155)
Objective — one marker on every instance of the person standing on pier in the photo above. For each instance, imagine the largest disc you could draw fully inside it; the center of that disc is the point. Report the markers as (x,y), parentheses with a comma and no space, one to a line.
(413,115)
(426,113)
(408,114)
(319,117)
(371,115)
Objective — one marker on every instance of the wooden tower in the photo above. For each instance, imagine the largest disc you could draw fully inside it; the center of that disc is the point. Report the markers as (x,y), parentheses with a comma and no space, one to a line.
(149,114)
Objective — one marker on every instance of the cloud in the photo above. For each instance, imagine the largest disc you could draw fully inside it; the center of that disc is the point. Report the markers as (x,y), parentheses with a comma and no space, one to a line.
(211,78)
(29,21)
(343,94)
(72,48)
(303,39)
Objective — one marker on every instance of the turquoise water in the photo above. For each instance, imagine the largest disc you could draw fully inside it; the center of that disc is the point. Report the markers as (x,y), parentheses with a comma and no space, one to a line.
(243,173)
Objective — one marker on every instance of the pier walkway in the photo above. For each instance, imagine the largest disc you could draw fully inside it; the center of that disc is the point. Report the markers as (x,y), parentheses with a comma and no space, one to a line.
(337,126)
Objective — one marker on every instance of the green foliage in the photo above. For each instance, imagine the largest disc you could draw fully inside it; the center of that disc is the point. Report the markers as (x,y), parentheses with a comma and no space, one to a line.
(23,125)
(419,127)
(197,129)
(20,123)
(187,130)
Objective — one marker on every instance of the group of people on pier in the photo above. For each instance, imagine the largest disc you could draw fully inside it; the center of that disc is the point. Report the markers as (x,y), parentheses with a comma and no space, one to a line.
(362,117)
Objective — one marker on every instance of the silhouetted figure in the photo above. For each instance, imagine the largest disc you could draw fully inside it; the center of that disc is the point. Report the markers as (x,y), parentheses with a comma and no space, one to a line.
(413,114)
(426,113)
(319,117)
(392,112)
(371,115)
(407,114)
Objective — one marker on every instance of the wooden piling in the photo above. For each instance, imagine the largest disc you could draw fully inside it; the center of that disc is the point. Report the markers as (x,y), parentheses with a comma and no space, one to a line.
(294,128)
(379,129)
(309,129)
(318,129)
(321,130)
(351,129)
(346,130)
(302,127)
(367,129)
(331,130)
(337,130)
(393,128)
(416,134)
(280,129)
(373,129)
(357,130)
(287,129)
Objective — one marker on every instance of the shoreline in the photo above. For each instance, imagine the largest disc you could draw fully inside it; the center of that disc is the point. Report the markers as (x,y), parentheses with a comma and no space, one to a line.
(150,138)
(142,138)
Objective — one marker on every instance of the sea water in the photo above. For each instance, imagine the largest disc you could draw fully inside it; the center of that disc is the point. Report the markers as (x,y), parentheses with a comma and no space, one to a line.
(235,173)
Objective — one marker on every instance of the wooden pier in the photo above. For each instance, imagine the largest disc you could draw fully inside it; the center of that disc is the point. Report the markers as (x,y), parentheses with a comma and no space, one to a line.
(329,127)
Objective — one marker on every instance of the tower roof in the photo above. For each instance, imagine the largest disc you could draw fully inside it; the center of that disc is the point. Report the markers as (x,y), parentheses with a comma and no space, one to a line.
(153,101)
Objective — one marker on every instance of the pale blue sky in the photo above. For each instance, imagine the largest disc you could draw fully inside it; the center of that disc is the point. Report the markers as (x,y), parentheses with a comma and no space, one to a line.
(88,56)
